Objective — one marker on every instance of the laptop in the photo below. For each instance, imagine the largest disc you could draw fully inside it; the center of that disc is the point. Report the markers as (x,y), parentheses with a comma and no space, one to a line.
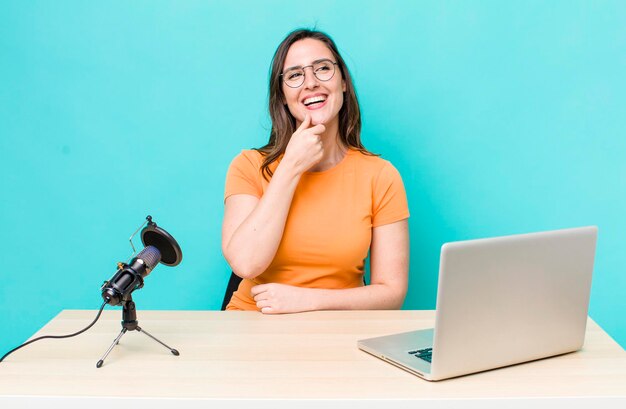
(500,301)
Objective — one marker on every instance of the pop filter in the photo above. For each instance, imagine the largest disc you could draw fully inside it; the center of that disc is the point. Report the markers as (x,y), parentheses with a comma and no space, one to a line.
(153,235)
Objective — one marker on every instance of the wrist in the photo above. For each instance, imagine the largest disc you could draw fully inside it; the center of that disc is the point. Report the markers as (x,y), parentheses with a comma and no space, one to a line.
(313,299)
(289,168)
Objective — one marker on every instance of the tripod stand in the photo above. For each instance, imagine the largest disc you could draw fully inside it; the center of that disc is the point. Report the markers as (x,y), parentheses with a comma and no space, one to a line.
(129,323)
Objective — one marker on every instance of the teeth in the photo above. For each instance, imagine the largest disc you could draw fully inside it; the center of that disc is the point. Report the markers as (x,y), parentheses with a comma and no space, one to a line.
(313,100)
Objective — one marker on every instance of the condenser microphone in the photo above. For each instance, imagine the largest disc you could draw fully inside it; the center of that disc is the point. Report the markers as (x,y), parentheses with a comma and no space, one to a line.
(130,277)
(161,247)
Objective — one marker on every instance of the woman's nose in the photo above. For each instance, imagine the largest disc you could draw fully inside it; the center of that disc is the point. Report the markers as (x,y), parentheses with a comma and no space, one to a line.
(310,80)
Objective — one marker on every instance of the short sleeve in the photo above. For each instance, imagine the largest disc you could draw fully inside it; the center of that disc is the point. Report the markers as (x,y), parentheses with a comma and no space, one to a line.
(244,175)
(389,203)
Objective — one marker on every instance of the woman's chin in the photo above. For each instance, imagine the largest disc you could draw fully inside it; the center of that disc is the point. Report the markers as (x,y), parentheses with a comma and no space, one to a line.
(318,119)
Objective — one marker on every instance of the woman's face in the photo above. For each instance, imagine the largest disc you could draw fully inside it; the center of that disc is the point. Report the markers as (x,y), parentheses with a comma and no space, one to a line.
(321,99)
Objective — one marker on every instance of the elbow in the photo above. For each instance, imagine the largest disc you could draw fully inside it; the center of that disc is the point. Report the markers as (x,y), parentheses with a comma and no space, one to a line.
(242,267)
(244,271)
(399,297)
(395,302)
(402,291)
(398,302)
(393,296)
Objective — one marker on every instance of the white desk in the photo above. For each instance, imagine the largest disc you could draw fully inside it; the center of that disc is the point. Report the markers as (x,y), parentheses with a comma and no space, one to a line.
(229,356)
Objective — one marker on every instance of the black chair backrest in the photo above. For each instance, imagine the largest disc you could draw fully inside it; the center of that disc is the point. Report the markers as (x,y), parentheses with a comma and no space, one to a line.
(233,284)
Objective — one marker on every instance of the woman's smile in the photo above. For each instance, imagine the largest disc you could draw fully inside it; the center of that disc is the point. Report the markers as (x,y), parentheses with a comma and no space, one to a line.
(315,101)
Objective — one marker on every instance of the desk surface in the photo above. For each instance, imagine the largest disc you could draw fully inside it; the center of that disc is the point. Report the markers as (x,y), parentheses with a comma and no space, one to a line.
(226,355)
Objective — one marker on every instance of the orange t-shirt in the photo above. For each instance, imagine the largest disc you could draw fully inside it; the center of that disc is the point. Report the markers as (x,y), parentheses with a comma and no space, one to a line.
(328,230)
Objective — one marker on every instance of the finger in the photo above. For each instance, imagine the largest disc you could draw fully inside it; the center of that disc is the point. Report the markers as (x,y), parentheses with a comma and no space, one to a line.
(263,303)
(258,289)
(260,296)
(268,310)
(305,123)
(318,129)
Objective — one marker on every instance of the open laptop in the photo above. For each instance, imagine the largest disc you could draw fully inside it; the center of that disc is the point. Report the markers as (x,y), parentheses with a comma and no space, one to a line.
(500,301)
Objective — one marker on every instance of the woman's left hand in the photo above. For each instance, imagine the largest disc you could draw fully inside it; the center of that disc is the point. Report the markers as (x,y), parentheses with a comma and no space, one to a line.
(275,298)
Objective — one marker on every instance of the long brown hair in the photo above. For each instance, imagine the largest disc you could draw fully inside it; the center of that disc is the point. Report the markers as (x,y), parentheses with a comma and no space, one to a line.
(284,124)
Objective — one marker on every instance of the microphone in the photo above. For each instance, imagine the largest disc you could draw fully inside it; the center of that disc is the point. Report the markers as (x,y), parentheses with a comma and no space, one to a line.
(130,277)
(161,247)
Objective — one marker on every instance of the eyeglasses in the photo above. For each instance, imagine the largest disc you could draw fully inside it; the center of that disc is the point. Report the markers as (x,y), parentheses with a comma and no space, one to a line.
(323,70)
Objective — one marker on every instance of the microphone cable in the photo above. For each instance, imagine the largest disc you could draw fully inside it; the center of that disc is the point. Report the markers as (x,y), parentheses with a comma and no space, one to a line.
(56,336)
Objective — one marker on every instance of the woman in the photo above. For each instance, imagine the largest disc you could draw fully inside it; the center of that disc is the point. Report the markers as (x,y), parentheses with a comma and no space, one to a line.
(302,212)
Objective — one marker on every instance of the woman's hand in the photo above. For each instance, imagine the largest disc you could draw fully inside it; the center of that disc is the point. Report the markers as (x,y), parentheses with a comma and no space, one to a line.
(275,298)
(305,149)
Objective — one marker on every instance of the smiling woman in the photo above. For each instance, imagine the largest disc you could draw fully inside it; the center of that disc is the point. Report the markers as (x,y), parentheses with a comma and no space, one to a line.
(303,211)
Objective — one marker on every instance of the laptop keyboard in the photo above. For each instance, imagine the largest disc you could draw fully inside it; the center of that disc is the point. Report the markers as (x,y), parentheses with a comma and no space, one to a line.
(426,354)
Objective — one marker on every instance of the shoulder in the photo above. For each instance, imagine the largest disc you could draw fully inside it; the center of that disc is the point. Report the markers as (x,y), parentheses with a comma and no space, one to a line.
(375,166)
(248,159)
(249,155)
(244,176)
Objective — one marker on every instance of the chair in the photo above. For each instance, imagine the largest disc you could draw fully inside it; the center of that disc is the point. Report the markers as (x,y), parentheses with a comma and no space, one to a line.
(233,284)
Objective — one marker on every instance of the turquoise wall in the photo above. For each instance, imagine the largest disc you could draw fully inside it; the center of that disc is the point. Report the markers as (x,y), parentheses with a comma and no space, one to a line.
(502,117)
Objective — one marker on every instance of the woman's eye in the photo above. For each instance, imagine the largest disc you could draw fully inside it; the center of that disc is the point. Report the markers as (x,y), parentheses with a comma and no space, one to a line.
(293,75)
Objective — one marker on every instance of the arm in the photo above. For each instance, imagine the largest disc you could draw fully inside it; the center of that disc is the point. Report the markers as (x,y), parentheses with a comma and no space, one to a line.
(253,227)
(389,253)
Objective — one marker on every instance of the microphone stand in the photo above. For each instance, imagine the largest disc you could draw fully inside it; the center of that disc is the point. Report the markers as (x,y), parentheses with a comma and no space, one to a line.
(130,323)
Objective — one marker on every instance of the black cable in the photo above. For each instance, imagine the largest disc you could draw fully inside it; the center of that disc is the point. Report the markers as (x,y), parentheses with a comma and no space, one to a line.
(56,336)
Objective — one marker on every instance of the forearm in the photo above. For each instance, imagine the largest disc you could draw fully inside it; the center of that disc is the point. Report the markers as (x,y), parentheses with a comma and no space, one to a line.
(370,297)
(253,245)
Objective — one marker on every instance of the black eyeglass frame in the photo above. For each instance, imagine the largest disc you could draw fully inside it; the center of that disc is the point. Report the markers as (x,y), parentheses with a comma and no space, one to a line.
(304,72)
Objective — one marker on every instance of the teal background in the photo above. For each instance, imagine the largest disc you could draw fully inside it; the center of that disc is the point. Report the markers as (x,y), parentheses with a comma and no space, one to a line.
(502,117)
